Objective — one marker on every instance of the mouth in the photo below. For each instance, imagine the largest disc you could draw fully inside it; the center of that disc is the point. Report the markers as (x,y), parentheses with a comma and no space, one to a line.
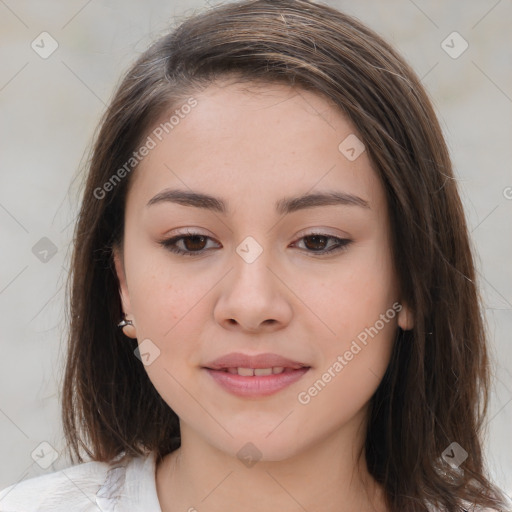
(256,382)
(245,362)
(256,372)
(255,376)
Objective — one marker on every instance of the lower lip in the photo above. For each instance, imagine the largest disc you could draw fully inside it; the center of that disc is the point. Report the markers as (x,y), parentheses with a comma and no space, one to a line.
(256,386)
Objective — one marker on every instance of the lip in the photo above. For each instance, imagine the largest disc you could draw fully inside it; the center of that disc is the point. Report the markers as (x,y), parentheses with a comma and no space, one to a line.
(239,360)
(257,385)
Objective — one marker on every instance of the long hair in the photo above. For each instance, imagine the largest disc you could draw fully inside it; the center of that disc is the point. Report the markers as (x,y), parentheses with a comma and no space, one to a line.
(436,387)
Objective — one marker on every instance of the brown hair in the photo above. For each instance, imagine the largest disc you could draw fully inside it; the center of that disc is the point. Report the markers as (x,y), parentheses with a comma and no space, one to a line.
(436,388)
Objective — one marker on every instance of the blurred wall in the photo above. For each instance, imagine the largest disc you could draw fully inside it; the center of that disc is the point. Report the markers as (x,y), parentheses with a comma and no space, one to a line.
(53,89)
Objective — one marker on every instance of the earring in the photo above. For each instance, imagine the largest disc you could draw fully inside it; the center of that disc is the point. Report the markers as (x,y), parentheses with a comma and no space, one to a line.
(128,328)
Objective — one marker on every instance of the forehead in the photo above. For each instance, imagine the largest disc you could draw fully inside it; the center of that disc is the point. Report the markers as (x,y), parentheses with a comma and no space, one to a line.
(254,142)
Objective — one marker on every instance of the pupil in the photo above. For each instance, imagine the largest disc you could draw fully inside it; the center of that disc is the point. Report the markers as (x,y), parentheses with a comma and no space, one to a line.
(318,242)
(188,241)
(316,237)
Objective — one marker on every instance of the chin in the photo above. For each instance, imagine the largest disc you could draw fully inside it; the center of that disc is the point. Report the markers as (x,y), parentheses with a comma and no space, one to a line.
(254,447)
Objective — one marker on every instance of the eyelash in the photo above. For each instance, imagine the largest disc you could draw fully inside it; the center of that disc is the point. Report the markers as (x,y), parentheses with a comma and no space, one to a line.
(170,244)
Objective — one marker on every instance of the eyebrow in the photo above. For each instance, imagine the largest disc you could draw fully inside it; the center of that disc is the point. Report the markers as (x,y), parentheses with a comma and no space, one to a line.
(283,206)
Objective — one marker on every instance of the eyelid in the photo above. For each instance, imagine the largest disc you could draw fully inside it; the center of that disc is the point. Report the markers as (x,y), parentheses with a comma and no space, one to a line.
(341,244)
(314,230)
(305,232)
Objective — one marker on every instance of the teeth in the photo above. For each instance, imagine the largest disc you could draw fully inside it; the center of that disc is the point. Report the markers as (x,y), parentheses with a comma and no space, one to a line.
(245,372)
(250,372)
(263,371)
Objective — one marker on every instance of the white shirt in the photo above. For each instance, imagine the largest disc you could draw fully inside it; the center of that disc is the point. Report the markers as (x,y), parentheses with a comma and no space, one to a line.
(88,487)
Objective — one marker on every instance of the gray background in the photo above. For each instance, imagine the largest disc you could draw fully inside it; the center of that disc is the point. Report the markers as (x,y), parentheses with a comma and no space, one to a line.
(50,108)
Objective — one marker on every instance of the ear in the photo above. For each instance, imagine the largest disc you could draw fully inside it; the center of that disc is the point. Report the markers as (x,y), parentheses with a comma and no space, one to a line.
(123,291)
(405,318)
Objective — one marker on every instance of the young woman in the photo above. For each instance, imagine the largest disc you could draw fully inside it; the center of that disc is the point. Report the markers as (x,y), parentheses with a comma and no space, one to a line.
(273,300)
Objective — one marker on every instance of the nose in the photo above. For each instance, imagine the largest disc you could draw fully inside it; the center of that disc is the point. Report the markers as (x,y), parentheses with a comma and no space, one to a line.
(253,298)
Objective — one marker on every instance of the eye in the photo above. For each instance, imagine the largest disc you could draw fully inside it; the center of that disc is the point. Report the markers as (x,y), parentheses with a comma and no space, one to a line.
(193,244)
(319,243)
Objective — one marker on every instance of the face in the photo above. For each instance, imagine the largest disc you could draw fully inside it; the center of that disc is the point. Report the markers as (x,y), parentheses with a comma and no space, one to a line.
(309,280)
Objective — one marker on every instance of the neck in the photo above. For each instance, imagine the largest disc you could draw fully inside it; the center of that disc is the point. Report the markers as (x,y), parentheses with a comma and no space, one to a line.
(329,476)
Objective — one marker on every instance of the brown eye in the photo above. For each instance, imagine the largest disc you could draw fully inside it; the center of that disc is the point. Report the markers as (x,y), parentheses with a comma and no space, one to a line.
(319,243)
(316,242)
(192,244)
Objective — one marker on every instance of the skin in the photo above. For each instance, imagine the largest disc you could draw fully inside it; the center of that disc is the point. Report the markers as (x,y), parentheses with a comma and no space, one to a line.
(252,146)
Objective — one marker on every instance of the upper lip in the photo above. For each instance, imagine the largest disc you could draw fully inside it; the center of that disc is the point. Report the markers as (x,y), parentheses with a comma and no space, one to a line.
(239,360)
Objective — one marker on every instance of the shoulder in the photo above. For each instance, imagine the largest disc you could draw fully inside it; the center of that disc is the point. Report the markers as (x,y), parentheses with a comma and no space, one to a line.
(61,490)
(55,491)
(88,486)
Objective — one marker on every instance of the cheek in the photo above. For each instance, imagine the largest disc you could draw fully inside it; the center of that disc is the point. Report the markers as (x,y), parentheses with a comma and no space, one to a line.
(359,305)
(169,302)
(352,366)
(153,285)
(170,310)
(352,294)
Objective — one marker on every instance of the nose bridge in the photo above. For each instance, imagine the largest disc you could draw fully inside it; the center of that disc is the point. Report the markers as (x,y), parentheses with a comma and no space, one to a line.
(252,265)
(253,295)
